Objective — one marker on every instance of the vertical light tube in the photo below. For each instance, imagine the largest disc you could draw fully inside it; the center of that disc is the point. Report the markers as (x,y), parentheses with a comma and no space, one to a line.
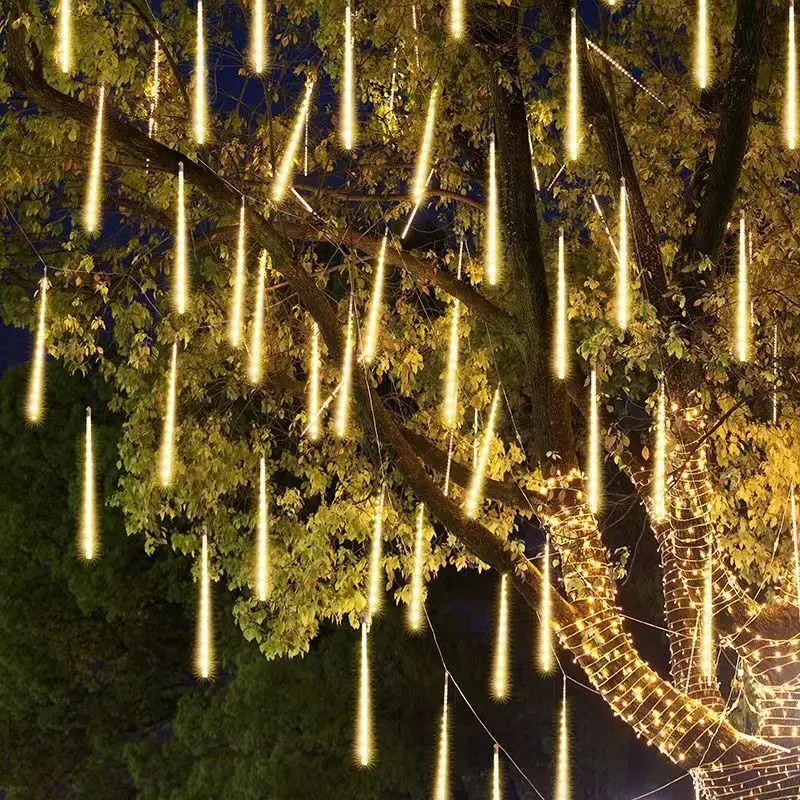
(343,401)
(546,613)
(594,446)
(168,433)
(258,37)
(492,221)
(707,620)
(450,406)
(561,338)
(573,93)
(375,305)
(796,546)
(393,87)
(151,123)
(500,681)
(364,743)
(790,110)
(742,298)
(441,789)
(237,296)
(702,46)
(348,111)
(313,385)
(424,155)
(262,544)
(91,206)
(496,793)
(562,788)
(200,115)
(65,35)
(660,458)
(475,494)
(89,504)
(375,596)
(456,19)
(180,289)
(256,367)
(34,405)
(204,653)
(415,606)
(623,268)
(284,174)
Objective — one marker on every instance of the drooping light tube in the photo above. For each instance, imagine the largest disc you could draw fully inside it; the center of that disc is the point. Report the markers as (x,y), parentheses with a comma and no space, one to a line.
(88,543)
(573,93)
(375,597)
(375,306)
(475,494)
(313,385)
(262,543)
(204,649)
(65,35)
(200,110)
(348,111)
(284,174)
(256,367)
(702,46)
(364,740)
(424,155)
(346,383)
(500,681)
(91,206)
(456,19)
(796,546)
(492,221)
(623,268)
(34,406)
(450,406)
(660,458)
(707,620)
(594,471)
(562,783)
(237,296)
(415,606)
(258,37)
(441,789)
(561,337)
(180,290)
(743,311)
(545,654)
(168,433)
(790,110)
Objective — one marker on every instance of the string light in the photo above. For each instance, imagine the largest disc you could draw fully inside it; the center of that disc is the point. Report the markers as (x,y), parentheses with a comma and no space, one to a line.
(500,682)
(796,546)
(415,607)
(200,115)
(442,786)
(562,787)
(456,18)
(204,655)
(35,402)
(375,598)
(707,621)
(546,613)
(790,113)
(256,355)
(702,46)
(450,406)
(660,459)
(496,793)
(393,87)
(258,36)
(180,291)
(424,155)
(348,92)
(743,298)
(65,35)
(594,446)
(343,401)
(492,221)
(375,304)
(168,434)
(364,749)
(573,93)
(416,33)
(89,505)
(237,296)
(561,339)
(91,206)
(286,168)
(623,270)
(475,494)
(313,385)
(262,544)
(151,122)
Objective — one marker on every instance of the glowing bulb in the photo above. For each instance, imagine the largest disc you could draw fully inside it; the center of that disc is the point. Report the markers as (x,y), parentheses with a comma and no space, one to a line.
(168,434)
(456,18)
(415,606)
(707,621)
(89,505)
(594,447)
(702,46)
(442,786)
(262,545)
(796,547)
(500,682)
(200,120)
(364,744)
(65,35)
(348,92)
(256,356)
(180,289)
(475,494)
(790,113)
(375,598)
(450,407)
(204,655)
(151,123)
(424,155)
(562,787)
(743,299)
(561,338)
(91,206)
(258,37)
(573,93)
(660,459)
(284,174)
(343,401)
(492,221)
(35,403)
(546,614)
(313,385)
(374,315)
(237,297)
(623,270)
(496,795)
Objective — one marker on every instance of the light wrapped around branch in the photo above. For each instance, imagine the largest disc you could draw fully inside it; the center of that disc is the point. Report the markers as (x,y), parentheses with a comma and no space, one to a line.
(475,493)
(424,154)
(168,432)
(91,205)
(88,530)
(200,101)
(237,295)
(204,647)
(34,405)
(285,171)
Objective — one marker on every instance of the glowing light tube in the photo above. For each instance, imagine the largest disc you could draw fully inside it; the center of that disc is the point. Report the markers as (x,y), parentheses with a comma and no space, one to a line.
(573,93)
(65,35)
(88,537)
(375,597)
(790,110)
(594,447)
(561,338)
(343,401)
(313,385)
(151,123)
(91,205)
(702,46)
(496,794)
(34,406)
(475,494)
(168,433)
(180,289)
(545,658)
(450,406)
(364,742)
(415,606)
(348,111)
(707,620)
(456,19)
(375,305)
(796,546)
(204,651)
(441,789)
(200,111)
(284,174)
(258,37)
(492,221)
(563,789)
(742,298)
(660,458)
(623,269)
(256,367)
(424,155)
(500,682)
(262,542)
(237,296)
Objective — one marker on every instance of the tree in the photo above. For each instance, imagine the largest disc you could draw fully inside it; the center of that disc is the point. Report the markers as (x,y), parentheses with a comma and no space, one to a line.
(709,152)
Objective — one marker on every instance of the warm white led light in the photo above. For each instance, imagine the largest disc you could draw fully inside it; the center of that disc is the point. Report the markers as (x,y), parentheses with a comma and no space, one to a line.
(204,649)
(743,310)
(88,534)
(595,467)
(284,174)
(180,279)
(660,458)
(492,221)
(258,36)
(441,789)
(313,385)
(623,268)
(707,619)
(348,111)
(702,46)
(256,347)
(563,789)
(545,659)
(500,686)
(91,206)
(561,337)
(200,111)
(346,383)
(573,93)
(364,740)
(34,406)
(375,306)
(475,493)
(65,35)
(457,19)
(375,597)
(415,606)
(796,546)
(450,406)
(424,155)
(790,109)
(262,542)
(237,295)
(168,434)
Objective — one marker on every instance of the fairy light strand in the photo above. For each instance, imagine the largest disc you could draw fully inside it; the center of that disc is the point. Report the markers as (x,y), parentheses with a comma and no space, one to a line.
(475,493)
(88,538)
(375,306)
(500,686)
(623,268)
(492,221)
(450,405)
(91,207)
(204,653)
(594,446)
(345,385)
(573,93)
(283,176)
(180,291)
(256,366)
(364,737)
(348,92)
(416,603)
(34,406)
(155,90)
(375,594)
(262,543)
(790,112)
(237,295)
(200,111)
(424,155)
(166,465)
